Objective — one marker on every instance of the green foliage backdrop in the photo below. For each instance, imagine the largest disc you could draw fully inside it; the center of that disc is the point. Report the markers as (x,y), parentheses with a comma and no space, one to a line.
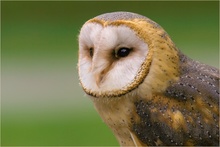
(42,103)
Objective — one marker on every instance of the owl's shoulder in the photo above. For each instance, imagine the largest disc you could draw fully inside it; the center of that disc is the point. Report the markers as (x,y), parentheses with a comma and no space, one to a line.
(196,79)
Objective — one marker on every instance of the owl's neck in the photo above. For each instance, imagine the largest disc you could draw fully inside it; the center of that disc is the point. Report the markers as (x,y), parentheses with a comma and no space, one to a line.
(118,114)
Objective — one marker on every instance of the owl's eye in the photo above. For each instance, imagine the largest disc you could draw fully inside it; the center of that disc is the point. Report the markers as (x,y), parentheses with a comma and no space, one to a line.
(91,51)
(123,52)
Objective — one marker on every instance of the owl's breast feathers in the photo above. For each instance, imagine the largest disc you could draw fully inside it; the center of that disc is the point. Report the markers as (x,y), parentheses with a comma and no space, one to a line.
(186,113)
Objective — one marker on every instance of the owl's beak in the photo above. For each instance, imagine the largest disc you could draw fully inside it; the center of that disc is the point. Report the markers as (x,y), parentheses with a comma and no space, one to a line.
(98,79)
(100,67)
(99,74)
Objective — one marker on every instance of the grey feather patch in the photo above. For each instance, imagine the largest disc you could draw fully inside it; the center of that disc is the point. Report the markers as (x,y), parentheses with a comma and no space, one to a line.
(114,16)
(120,16)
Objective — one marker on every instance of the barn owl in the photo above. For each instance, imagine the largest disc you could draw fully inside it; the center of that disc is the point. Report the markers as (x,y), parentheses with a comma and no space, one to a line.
(143,87)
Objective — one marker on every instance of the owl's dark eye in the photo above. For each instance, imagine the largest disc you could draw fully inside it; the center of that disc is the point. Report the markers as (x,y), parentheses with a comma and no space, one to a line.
(123,52)
(91,51)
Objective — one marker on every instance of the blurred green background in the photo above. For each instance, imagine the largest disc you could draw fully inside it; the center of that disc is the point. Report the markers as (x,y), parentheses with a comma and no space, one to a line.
(42,103)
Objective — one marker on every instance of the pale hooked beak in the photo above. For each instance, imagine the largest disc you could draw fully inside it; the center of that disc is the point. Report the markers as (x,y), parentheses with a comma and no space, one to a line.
(98,79)
(98,72)
(100,67)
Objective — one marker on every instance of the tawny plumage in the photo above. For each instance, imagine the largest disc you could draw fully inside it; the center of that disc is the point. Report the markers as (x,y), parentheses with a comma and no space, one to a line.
(143,87)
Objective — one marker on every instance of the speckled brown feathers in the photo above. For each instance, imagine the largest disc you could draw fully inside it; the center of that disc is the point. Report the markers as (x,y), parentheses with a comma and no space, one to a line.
(155,95)
(187,113)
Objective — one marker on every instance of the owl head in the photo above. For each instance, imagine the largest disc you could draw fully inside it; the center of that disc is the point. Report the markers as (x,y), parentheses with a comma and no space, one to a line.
(121,51)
